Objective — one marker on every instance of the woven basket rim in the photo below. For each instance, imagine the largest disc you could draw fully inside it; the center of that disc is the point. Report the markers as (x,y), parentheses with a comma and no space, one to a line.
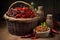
(20,19)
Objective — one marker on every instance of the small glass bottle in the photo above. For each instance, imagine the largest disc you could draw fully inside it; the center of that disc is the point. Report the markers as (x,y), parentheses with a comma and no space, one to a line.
(49,20)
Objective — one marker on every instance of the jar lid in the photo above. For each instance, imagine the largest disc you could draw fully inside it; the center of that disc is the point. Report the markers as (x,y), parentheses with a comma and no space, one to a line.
(49,14)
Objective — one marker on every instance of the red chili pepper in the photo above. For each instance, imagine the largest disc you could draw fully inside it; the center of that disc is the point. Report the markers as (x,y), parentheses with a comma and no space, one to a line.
(26,8)
(19,8)
(56,25)
(23,16)
(54,31)
(18,16)
(24,11)
(34,36)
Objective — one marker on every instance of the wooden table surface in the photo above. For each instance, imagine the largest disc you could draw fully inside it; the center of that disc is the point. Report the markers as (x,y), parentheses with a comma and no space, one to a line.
(5,35)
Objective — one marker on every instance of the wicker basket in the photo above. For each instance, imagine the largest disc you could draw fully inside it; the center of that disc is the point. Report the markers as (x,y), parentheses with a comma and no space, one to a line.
(19,26)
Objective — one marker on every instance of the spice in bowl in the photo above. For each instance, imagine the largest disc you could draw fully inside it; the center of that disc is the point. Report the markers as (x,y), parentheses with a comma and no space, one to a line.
(42,30)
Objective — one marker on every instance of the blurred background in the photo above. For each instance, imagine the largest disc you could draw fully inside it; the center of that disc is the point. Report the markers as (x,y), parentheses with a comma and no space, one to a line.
(50,6)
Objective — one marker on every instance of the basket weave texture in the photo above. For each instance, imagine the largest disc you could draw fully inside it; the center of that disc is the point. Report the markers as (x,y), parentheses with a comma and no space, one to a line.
(19,26)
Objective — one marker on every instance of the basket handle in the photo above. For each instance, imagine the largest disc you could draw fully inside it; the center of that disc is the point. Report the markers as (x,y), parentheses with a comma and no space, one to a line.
(20,2)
